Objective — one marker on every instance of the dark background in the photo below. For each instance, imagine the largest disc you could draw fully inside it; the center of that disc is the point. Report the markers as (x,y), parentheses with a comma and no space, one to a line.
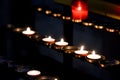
(22,13)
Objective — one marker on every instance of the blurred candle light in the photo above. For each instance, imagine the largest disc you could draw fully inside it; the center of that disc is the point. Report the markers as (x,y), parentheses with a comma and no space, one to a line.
(28,31)
(18,29)
(87,23)
(93,55)
(79,9)
(55,79)
(33,73)
(49,39)
(48,12)
(39,9)
(61,43)
(81,52)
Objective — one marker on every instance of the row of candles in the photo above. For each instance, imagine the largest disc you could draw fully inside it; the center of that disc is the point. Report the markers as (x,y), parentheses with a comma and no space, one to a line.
(63,44)
(35,74)
(91,56)
(88,24)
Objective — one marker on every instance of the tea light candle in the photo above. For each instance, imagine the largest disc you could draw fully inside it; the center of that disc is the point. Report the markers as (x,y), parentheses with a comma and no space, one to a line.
(33,73)
(93,55)
(61,43)
(81,51)
(28,31)
(49,39)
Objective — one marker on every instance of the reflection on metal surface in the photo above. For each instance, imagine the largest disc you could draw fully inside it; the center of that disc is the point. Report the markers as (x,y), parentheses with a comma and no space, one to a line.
(47,78)
(70,49)
(109,63)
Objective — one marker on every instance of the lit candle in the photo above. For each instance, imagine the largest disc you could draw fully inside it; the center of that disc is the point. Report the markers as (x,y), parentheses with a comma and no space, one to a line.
(33,73)
(76,12)
(79,10)
(49,39)
(28,31)
(61,43)
(81,51)
(93,55)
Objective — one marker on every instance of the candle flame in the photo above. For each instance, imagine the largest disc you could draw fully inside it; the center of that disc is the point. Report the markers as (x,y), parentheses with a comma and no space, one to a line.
(55,79)
(79,8)
(93,52)
(82,48)
(33,72)
(62,40)
(28,29)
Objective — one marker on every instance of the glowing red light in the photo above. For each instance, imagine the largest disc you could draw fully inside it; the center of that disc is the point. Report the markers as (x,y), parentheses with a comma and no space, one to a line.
(79,10)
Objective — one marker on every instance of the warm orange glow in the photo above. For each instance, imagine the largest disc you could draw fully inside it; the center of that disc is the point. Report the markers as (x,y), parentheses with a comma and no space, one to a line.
(39,9)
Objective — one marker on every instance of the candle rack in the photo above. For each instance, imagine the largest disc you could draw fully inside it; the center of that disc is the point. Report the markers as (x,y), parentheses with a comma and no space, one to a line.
(68,54)
(66,49)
